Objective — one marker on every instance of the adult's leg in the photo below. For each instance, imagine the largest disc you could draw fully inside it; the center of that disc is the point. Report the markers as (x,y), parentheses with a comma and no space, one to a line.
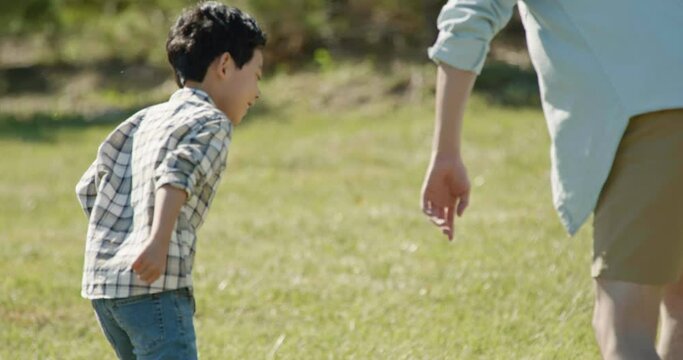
(625,319)
(638,243)
(671,332)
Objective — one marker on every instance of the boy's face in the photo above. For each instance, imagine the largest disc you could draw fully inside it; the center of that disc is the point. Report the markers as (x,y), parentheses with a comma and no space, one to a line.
(238,88)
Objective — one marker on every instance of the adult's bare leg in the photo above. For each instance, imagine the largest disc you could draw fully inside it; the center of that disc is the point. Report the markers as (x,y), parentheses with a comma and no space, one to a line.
(625,319)
(671,332)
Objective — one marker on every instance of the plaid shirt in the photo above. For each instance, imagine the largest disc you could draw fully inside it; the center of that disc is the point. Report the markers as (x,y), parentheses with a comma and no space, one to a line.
(182,143)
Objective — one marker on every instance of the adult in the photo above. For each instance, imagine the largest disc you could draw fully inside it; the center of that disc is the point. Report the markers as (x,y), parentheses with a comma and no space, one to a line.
(611,81)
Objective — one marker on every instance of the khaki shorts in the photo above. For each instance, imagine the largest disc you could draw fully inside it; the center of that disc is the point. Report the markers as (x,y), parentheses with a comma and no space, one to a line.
(638,223)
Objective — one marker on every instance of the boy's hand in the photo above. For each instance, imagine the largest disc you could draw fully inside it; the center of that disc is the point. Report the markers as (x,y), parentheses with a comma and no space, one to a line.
(445,192)
(151,263)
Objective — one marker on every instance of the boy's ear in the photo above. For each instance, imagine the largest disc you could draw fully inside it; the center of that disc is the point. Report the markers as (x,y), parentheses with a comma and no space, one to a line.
(226,65)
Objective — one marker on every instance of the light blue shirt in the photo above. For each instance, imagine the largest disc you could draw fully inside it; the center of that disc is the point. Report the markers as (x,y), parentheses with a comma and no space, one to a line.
(599,62)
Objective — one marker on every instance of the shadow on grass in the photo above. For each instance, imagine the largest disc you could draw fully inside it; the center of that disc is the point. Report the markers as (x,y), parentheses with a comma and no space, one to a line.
(47,78)
(501,83)
(43,127)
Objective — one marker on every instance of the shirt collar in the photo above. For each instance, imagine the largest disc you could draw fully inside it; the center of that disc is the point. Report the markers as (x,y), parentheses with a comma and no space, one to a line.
(187,93)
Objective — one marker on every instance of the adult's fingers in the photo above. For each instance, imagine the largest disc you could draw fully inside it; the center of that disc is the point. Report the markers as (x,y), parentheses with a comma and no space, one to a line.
(438,215)
(448,226)
(463,202)
(426,206)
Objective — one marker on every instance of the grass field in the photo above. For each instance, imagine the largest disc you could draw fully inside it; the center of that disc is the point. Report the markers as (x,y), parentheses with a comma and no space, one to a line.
(315,247)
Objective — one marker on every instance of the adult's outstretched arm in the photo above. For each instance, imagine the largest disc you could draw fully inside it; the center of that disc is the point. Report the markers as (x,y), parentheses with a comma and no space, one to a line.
(446,187)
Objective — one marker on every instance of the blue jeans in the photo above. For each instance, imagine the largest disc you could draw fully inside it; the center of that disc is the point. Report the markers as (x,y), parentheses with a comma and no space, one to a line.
(157,326)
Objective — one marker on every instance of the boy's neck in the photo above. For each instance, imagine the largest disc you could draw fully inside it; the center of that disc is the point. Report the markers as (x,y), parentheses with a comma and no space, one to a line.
(199,86)
(195,85)
(210,89)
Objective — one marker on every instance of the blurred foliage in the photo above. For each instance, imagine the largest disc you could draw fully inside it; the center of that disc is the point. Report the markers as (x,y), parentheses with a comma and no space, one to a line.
(78,31)
(81,30)
(28,16)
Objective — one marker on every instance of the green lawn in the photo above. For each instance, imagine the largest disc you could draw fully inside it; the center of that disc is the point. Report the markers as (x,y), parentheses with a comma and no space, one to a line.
(315,247)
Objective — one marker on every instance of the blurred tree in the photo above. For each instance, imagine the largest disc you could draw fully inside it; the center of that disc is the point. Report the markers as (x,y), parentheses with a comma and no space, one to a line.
(77,30)
(19,17)
(295,28)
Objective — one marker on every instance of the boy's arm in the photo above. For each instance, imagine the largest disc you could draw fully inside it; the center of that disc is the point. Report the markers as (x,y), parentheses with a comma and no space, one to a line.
(446,187)
(198,159)
(151,263)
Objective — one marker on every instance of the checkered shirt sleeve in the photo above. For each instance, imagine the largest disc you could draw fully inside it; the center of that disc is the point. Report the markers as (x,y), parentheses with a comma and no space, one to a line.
(199,158)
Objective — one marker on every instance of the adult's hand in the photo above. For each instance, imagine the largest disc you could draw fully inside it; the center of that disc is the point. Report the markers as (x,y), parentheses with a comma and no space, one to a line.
(445,192)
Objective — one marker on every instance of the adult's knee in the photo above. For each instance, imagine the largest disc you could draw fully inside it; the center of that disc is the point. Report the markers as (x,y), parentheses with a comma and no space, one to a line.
(672,299)
(625,320)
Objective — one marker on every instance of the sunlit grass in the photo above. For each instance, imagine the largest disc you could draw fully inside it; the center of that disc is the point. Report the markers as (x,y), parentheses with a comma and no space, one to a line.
(315,247)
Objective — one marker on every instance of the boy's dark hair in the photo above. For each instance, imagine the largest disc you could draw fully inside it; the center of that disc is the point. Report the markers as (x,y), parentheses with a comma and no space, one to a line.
(204,32)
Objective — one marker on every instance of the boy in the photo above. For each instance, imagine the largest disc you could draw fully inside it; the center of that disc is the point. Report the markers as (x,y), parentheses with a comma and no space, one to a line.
(154,178)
